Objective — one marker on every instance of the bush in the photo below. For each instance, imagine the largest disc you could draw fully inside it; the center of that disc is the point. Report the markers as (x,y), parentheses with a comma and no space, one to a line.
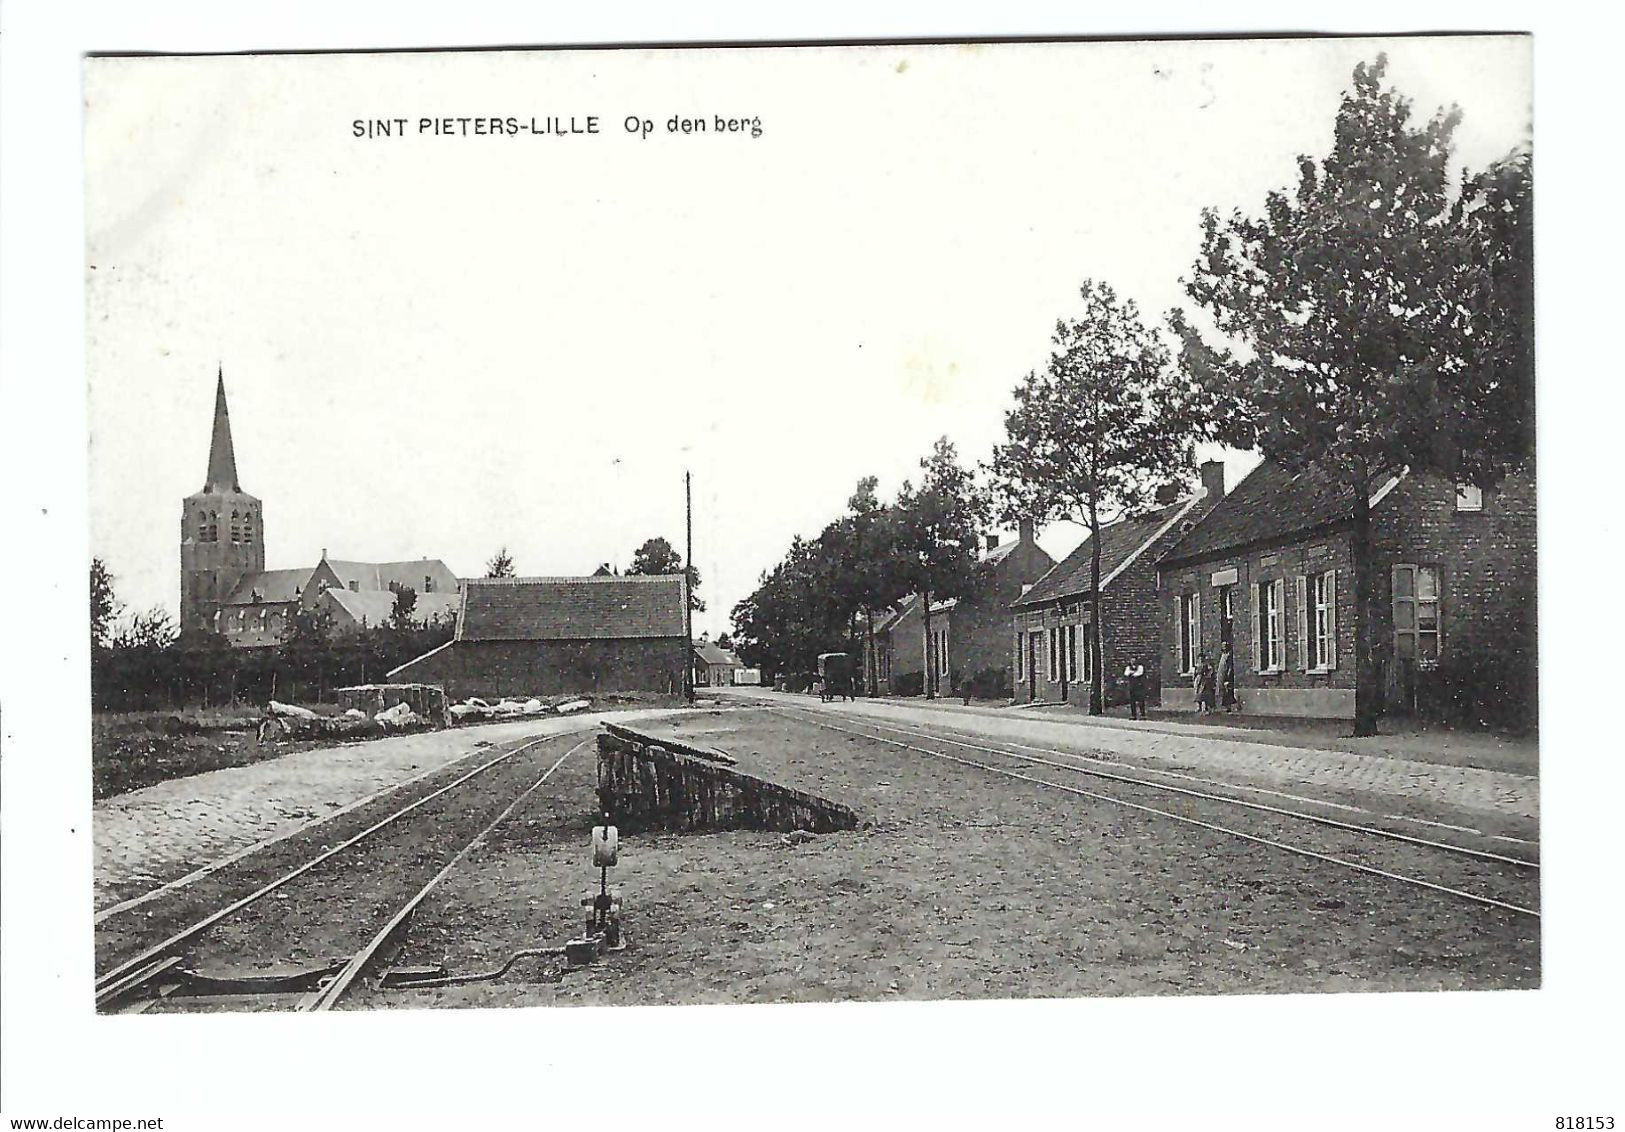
(909,684)
(1481,690)
(992,684)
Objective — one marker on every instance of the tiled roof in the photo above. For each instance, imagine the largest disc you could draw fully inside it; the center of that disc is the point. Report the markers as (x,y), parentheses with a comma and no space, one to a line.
(381,575)
(1268,505)
(1119,543)
(375,606)
(709,653)
(272,585)
(570,609)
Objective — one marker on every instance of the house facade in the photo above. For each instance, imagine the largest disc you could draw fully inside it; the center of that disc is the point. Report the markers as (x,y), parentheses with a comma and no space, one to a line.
(1270,571)
(714,666)
(1050,622)
(968,633)
(545,636)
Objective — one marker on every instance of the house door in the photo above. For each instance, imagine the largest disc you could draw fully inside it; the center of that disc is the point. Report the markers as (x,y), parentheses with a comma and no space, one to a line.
(1032,666)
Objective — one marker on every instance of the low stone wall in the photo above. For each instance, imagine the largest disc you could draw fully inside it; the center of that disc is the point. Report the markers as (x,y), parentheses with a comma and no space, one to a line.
(648,783)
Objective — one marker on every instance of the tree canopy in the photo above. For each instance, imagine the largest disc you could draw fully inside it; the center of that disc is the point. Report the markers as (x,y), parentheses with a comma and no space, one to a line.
(657,556)
(1094,434)
(1374,316)
(500,564)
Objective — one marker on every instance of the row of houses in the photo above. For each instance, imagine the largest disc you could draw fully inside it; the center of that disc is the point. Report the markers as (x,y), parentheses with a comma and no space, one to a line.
(1265,571)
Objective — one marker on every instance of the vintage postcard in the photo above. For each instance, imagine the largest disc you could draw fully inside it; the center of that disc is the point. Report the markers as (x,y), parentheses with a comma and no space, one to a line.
(807,524)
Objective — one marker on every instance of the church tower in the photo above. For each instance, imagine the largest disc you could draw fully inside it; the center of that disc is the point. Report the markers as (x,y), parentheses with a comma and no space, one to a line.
(222,539)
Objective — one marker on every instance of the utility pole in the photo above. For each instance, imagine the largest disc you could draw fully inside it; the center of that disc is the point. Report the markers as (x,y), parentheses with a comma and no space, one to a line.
(688,600)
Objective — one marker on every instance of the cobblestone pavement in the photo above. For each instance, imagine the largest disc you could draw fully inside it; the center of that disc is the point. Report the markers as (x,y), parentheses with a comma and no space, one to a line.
(153,836)
(1468,788)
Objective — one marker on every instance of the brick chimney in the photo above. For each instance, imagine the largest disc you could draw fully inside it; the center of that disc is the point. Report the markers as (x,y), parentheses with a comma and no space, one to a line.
(992,542)
(1213,479)
(1025,531)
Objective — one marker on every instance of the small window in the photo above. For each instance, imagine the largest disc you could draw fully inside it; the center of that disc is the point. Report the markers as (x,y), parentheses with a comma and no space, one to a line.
(428,584)
(1021,666)
(355,586)
(1072,652)
(1469,498)
(1053,669)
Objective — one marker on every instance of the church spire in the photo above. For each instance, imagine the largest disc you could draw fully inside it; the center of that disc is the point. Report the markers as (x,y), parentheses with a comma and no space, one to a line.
(222,458)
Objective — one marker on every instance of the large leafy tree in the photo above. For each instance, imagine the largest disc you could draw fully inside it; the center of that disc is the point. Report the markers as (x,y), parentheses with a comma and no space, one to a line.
(872,578)
(789,618)
(1372,317)
(657,556)
(935,533)
(1095,433)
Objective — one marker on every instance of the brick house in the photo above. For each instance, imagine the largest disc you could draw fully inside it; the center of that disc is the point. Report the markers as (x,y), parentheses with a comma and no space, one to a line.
(544,636)
(1270,570)
(968,632)
(1051,620)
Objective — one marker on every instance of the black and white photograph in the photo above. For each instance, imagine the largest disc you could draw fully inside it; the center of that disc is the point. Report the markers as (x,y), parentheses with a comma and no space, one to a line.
(873,526)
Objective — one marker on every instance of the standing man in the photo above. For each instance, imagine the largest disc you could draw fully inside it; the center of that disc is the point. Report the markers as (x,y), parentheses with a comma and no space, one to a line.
(1227,679)
(1135,674)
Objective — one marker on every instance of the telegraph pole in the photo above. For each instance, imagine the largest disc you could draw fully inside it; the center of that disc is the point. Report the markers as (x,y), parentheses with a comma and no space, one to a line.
(688,600)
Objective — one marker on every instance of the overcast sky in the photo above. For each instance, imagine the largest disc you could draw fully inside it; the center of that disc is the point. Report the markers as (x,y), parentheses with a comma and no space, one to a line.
(435,346)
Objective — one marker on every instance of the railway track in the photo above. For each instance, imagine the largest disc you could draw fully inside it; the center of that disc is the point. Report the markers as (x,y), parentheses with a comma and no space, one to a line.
(304,907)
(1368,849)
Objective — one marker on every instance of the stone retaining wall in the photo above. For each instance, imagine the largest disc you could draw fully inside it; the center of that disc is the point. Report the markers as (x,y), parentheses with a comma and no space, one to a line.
(644,783)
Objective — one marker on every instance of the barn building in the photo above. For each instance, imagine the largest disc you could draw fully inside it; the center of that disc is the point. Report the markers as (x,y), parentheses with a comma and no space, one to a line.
(1270,571)
(546,636)
(1051,662)
(225,586)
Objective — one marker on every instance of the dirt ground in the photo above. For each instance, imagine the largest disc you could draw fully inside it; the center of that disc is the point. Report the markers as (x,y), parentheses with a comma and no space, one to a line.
(129,750)
(957,885)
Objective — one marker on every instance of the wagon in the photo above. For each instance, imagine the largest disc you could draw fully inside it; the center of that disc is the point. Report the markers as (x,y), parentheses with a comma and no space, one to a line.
(834,676)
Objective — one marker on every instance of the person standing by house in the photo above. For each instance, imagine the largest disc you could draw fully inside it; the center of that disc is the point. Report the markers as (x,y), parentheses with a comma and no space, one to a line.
(1227,678)
(1135,675)
(1203,686)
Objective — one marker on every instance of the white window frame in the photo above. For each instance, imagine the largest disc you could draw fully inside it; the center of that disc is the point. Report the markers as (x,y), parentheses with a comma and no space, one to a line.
(1270,595)
(1052,653)
(1190,632)
(1070,653)
(1323,619)
(1021,656)
(1469,498)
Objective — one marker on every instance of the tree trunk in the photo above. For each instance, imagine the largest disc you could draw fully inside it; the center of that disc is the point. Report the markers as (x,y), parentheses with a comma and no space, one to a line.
(930,685)
(1097,702)
(874,662)
(1367,694)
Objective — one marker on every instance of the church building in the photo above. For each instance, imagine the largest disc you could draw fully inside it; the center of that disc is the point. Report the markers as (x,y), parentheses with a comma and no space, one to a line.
(226,587)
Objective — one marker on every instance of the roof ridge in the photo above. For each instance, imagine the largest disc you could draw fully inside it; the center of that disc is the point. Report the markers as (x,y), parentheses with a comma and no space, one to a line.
(554,579)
